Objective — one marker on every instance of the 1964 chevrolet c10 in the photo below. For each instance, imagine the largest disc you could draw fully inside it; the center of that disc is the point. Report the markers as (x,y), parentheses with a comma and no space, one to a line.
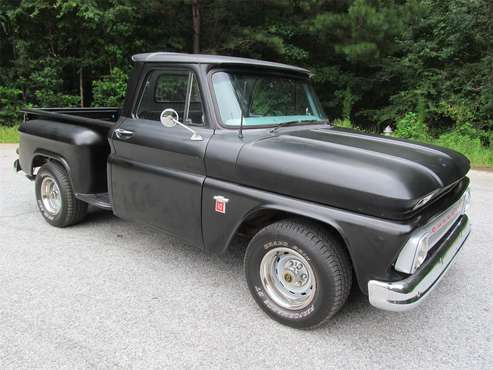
(209,147)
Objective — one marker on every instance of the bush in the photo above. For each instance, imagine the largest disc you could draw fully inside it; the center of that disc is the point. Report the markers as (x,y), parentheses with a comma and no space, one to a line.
(47,98)
(346,123)
(10,104)
(110,90)
(464,137)
(412,127)
(47,84)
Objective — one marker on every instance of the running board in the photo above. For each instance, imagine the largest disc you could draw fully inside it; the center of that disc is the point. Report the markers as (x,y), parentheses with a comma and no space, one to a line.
(100,200)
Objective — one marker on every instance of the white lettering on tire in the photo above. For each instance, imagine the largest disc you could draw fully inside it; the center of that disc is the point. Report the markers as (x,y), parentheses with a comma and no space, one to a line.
(276,309)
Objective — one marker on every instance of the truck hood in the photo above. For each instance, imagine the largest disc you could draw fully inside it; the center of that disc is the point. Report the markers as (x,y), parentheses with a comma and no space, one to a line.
(371,174)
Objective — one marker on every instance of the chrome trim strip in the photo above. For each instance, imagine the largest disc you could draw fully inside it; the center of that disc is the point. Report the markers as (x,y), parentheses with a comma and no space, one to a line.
(405,294)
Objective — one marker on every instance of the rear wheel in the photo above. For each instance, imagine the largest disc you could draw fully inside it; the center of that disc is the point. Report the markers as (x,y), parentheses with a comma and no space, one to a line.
(298,272)
(55,196)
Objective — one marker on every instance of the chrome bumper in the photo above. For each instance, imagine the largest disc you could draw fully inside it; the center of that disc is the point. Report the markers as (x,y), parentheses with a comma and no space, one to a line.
(406,294)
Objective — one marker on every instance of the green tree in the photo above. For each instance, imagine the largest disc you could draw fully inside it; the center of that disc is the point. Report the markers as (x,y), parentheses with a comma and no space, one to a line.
(373,61)
(109,91)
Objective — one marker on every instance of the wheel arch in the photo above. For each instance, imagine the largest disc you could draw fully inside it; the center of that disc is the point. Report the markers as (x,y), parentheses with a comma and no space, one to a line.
(40,157)
(259,217)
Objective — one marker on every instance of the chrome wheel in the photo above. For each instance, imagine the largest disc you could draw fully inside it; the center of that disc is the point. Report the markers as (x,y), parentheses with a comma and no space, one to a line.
(288,278)
(50,196)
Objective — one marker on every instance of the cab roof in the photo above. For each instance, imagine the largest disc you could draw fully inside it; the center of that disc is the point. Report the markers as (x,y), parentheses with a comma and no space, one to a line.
(167,57)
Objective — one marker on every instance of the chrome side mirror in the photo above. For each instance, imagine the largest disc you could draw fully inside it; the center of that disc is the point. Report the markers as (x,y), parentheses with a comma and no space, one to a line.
(169,118)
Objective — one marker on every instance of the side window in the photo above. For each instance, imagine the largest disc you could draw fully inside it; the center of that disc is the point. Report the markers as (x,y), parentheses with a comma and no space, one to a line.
(171,89)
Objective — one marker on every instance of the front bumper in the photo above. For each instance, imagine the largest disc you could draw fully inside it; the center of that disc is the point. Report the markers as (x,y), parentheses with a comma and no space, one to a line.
(406,294)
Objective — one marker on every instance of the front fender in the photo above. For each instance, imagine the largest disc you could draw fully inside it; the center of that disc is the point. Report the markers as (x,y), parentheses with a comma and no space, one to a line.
(373,244)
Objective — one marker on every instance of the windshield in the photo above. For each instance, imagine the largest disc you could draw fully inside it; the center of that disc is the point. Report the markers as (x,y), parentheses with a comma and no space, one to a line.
(265,100)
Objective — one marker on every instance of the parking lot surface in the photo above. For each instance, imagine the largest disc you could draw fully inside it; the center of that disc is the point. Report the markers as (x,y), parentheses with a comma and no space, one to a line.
(108,293)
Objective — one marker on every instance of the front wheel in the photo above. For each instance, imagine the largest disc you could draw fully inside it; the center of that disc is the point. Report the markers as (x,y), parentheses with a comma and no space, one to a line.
(55,196)
(298,273)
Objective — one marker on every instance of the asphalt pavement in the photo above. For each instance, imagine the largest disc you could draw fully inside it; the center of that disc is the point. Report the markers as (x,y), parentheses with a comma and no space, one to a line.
(108,293)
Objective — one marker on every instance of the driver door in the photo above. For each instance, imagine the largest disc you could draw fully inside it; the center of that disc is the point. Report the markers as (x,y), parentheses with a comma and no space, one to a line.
(157,173)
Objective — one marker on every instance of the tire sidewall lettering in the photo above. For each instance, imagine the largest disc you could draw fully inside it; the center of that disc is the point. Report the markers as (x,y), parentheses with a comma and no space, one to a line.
(44,212)
(293,315)
(280,243)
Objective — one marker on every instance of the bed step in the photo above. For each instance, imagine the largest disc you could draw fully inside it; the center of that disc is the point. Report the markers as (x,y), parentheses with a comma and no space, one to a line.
(100,200)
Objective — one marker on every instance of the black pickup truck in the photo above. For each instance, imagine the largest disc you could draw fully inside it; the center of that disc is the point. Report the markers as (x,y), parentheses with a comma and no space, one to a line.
(209,148)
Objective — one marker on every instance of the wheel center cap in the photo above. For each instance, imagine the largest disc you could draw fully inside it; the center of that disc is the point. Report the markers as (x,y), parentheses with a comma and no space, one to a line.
(288,277)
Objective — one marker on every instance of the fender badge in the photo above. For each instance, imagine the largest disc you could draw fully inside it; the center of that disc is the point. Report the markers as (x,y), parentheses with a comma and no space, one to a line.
(220,204)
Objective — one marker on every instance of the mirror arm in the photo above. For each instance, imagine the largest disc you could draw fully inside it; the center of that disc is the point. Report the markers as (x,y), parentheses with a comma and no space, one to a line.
(184,126)
(195,136)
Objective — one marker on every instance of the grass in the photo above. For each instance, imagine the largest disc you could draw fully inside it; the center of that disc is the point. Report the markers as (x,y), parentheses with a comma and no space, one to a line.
(9,134)
(479,155)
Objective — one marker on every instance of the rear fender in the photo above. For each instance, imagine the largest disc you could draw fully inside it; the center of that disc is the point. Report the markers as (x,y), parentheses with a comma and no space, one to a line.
(82,151)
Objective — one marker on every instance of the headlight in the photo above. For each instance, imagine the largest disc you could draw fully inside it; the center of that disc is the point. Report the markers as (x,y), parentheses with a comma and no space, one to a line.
(421,252)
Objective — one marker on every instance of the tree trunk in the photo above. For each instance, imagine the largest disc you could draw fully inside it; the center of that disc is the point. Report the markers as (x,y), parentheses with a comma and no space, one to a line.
(196,26)
(81,86)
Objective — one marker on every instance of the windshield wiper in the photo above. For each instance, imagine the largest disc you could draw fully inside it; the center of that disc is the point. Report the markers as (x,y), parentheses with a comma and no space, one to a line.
(289,123)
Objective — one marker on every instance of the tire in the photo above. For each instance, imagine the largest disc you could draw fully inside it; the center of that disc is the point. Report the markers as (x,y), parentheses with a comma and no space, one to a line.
(301,296)
(59,210)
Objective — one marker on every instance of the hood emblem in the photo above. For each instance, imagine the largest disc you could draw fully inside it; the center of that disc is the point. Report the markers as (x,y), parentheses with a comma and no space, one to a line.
(220,204)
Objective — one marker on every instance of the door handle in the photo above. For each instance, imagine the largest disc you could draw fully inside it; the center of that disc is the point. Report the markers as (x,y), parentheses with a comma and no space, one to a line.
(123,134)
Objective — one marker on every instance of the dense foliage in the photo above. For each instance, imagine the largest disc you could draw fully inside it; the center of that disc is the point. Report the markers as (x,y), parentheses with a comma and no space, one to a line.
(425,64)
